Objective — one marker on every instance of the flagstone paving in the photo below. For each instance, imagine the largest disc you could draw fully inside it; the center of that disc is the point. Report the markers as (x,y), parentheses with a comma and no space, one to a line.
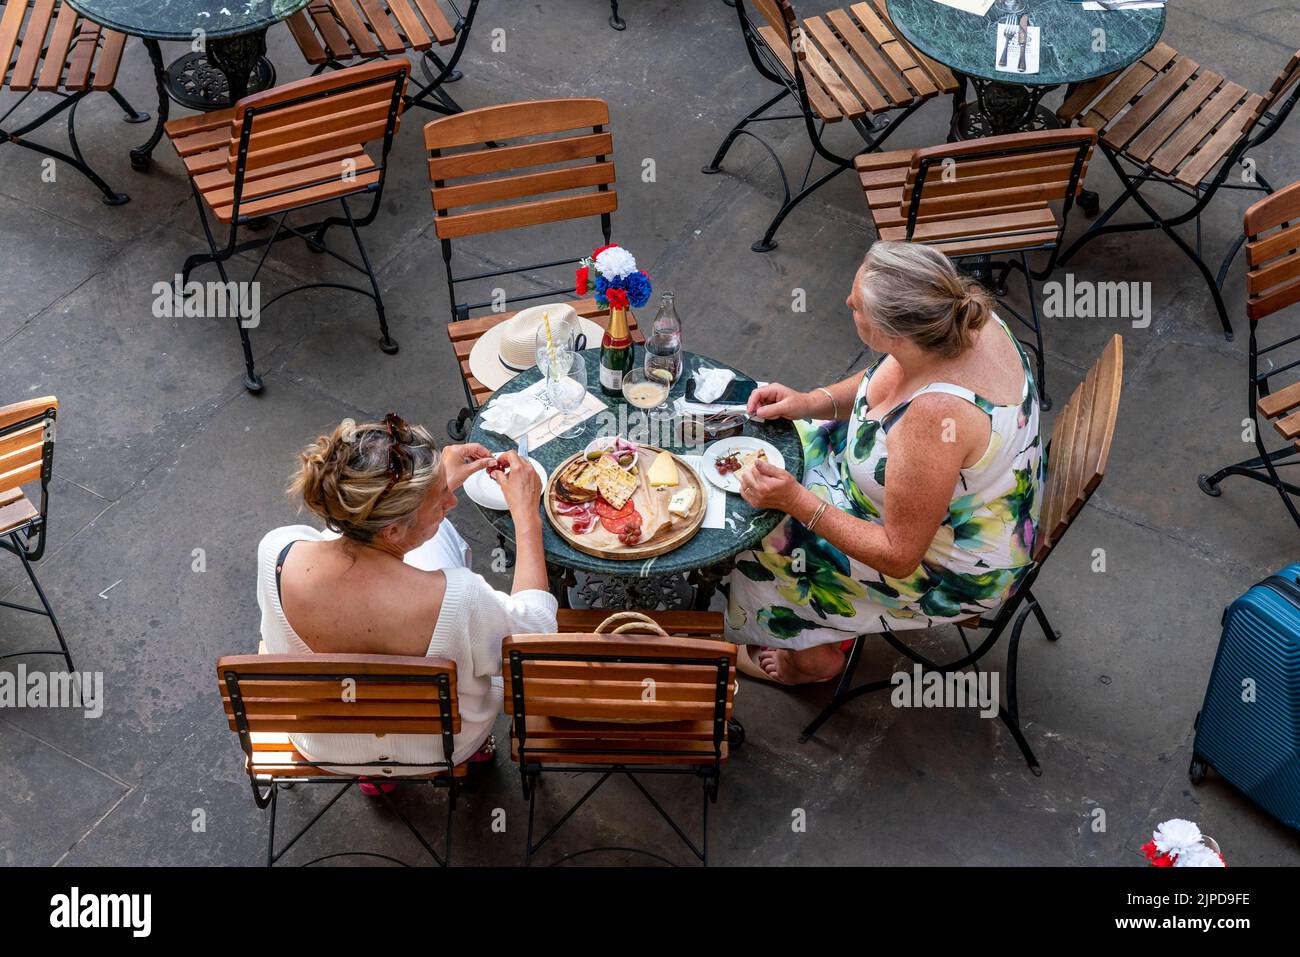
(162,453)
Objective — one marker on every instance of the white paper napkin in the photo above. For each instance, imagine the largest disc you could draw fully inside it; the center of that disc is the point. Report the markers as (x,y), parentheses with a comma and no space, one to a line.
(1013,55)
(715,512)
(977,7)
(710,383)
(514,414)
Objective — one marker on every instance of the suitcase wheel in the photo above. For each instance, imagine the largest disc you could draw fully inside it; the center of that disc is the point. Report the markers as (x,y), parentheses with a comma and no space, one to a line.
(1197,770)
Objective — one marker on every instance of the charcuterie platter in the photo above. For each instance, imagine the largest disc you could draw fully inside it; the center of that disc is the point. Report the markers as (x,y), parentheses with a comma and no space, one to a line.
(624,502)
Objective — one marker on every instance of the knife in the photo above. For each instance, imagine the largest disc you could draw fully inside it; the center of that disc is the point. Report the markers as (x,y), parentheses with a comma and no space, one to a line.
(523,446)
(1024,41)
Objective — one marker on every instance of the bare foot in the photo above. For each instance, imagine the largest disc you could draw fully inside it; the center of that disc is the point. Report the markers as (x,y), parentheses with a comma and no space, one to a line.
(818,663)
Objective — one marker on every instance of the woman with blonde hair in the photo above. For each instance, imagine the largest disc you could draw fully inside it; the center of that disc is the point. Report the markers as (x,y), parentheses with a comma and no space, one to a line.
(920,499)
(391,576)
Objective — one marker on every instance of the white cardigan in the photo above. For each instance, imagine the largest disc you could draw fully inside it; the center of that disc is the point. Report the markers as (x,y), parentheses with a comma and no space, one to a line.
(473,621)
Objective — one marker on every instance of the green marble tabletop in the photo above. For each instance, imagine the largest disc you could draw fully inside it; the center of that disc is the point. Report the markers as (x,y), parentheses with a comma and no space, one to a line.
(178,19)
(745,526)
(967,43)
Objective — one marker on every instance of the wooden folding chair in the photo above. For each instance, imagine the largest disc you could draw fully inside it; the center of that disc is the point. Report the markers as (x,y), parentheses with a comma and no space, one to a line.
(26,456)
(267,698)
(622,704)
(1272,231)
(852,66)
(335,33)
(984,198)
(47,47)
(478,159)
(1168,120)
(289,149)
(1076,462)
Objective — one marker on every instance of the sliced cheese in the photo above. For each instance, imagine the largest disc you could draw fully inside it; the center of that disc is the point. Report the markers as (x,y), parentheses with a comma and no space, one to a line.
(663,473)
(681,502)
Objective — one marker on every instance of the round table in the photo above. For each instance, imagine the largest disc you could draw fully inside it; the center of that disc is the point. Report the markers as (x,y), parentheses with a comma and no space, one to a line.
(1009,102)
(229,62)
(698,564)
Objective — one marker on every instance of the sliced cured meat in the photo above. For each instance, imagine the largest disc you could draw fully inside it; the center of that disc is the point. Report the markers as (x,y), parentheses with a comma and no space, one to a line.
(605,510)
(619,523)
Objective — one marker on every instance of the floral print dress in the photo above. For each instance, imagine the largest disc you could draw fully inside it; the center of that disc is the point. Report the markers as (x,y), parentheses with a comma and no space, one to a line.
(798,590)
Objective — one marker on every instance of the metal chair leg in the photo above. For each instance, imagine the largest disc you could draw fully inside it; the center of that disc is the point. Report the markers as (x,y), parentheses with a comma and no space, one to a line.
(615,20)
(387,343)
(1044,400)
(45,603)
(1010,714)
(841,695)
(132,114)
(252,381)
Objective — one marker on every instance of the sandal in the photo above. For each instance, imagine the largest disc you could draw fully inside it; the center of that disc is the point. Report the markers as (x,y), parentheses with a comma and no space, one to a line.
(747,666)
(374,790)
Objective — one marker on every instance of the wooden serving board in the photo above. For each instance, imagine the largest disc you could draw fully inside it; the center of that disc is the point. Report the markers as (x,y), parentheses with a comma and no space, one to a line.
(664,541)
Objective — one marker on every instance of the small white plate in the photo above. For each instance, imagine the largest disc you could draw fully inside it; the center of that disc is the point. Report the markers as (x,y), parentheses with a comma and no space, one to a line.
(486,492)
(737,443)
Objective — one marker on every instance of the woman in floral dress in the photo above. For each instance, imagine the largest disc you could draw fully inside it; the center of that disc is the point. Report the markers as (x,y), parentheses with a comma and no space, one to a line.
(920,499)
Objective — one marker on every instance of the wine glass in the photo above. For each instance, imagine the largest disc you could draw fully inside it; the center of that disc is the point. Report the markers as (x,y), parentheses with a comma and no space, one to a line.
(566,388)
(647,388)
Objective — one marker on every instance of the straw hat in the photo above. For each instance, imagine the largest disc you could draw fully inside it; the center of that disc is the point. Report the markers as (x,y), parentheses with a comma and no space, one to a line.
(510,347)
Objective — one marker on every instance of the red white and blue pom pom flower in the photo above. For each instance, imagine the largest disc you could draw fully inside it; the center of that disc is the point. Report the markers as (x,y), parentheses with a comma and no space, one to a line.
(610,274)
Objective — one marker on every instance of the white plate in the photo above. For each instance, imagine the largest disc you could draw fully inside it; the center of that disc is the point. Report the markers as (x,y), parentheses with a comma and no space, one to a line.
(486,492)
(737,443)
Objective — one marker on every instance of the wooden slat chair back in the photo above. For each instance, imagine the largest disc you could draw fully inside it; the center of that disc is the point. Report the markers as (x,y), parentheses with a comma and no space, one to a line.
(1080,447)
(514,166)
(979,196)
(1273,284)
(334,33)
(1177,123)
(1272,239)
(26,455)
(853,63)
(54,48)
(294,145)
(46,47)
(342,30)
(602,699)
(266,698)
(487,188)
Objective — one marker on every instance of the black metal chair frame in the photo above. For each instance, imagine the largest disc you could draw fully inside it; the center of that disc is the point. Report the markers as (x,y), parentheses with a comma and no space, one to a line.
(68,101)
(1256,135)
(20,540)
(982,266)
(767,64)
(1018,606)
(266,788)
(709,770)
(252,381)
(1262,467)
(436,71)
(458,428)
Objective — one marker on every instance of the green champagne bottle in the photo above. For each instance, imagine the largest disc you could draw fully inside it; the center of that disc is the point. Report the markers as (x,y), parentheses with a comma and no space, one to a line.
(615,353)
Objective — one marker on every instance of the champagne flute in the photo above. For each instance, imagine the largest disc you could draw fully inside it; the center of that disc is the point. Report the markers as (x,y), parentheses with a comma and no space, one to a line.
(566,388)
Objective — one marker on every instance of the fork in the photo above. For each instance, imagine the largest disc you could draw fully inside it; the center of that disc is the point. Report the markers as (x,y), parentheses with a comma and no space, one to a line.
(1010,34)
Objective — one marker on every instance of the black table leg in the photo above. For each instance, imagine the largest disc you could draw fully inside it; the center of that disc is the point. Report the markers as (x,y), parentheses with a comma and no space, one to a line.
(706,581)
(237,57)
(141,156)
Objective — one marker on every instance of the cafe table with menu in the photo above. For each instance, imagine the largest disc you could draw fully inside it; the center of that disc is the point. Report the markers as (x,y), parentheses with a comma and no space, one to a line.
(687,575)
(1067,42)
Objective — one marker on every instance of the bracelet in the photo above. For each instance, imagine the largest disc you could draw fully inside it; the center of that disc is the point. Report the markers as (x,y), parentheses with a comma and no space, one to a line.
(816,517)
(835,406)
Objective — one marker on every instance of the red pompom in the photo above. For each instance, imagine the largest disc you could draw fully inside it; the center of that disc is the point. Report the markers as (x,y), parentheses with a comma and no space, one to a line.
(580,281)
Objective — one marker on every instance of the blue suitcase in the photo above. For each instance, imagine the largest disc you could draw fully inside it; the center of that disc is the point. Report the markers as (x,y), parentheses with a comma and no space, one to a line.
(1248,729)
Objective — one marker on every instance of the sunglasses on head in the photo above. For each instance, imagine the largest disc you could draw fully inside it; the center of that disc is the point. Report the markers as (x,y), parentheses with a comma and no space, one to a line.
(397,453)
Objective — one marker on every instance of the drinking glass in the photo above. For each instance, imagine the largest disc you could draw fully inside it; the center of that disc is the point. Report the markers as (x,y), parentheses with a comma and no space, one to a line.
(648,389)
(566,388)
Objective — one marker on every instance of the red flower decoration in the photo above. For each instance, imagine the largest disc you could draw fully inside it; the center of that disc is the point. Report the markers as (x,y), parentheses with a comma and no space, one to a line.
(580,277)
(1154,858)
(617,298)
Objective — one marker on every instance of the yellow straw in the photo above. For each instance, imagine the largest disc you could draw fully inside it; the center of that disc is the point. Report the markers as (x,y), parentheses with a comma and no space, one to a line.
(550,345)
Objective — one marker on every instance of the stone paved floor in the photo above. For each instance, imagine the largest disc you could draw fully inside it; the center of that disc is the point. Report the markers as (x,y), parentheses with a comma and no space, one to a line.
(162,452)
